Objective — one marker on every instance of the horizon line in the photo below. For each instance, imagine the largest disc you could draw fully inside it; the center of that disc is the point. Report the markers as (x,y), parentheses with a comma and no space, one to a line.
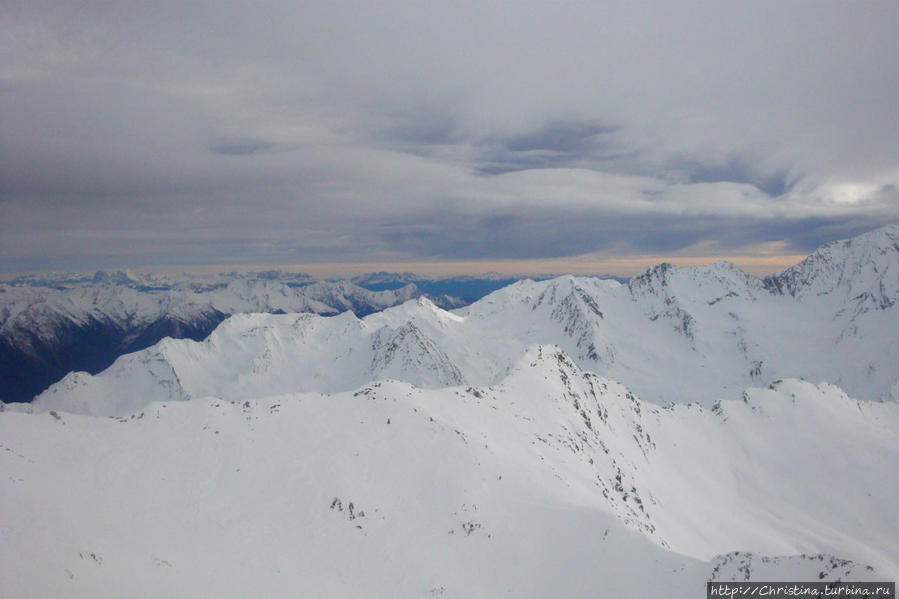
(757,265)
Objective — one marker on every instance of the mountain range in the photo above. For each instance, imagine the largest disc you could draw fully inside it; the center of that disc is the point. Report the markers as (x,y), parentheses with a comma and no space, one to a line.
(567,437)
(50,326)
(672,335)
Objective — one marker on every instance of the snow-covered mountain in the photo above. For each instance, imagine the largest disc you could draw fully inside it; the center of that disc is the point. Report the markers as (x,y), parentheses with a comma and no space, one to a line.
(862,270)
(50,328)
(672,335)
(29,313)
(347,296)
(572,437)
(554,482)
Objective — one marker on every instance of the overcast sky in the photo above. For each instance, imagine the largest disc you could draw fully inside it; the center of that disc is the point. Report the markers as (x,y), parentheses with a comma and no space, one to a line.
(147,133)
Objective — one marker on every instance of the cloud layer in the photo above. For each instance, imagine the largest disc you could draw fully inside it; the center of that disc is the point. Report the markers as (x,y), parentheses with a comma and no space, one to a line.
(239,132)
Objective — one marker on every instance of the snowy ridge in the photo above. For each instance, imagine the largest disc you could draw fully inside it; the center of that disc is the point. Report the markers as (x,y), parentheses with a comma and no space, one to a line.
(36,312)
(46,332)
(256,354)
(344,295)
(862,269)
(557,480)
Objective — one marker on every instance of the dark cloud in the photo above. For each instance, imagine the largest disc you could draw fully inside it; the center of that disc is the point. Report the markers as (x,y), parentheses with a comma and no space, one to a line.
(546,234)
(148,133)
(736,169)
(555,145)
(564,138)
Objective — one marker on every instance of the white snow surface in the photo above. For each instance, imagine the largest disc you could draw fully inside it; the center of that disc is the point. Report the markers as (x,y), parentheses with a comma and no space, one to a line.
(568,438)
(555,482)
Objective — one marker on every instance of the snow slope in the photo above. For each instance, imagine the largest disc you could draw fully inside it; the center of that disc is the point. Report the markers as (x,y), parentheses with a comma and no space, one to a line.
(554,482)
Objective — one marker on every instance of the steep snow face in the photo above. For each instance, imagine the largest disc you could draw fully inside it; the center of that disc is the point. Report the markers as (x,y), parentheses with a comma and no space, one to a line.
(861,272)
(652,466)
(553,482)
(669,293)
(408,354)
(144,374)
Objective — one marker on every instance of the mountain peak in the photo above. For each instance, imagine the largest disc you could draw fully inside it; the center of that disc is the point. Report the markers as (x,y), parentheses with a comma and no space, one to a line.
(709,283)
(116,278)
(863,268)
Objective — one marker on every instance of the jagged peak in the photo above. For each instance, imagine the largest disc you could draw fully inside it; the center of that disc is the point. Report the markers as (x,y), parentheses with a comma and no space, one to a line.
(864,267)
(407,288)
(655,276)
(722,267)
(665,271)
(882,240)
(547,358)
(424,302)
(709,283)
(558,289)
(412,309)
